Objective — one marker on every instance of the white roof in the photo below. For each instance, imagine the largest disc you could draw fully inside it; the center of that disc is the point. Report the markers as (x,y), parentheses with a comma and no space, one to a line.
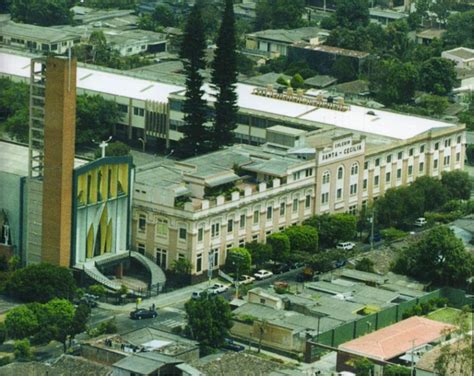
(96,80)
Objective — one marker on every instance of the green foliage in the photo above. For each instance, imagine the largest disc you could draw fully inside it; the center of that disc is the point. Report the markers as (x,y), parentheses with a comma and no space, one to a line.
(182,266)
(352,13)
(22,349)
(297,82)
(324,261)
(17,125)
(280,244)
(302,238)
(362,366)
(209,320)
(14,108)
(437,76)
(196,136)
(115,149)
(58,320)
(438,257)
(457,184)
(224,79)
(41,12)
(392,233)
(97,290)
(106,327)
(282,81)
(333,228)
(460,30)
(41,283)
(239,261)
(21,322)
(279,14)
(107,4)
(345,69)
(396,370)
(425,307)
(434,104)
(470,154)
(4,360)
(161,17)
(365,265)
(79,321)
(260,252)
(3,332)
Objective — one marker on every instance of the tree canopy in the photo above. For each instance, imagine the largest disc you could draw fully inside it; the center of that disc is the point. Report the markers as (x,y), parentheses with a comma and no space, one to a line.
(239,261)
(352,13)
(42,12)
(437,76)
(302,238)
(279,14)
(333,228)
(457,184)
(280,244)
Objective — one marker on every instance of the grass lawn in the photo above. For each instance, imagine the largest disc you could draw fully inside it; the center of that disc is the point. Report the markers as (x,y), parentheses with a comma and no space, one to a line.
(448,315)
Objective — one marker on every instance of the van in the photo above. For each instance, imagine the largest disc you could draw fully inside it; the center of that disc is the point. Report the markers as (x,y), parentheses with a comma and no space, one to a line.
(347,246)
(420,222)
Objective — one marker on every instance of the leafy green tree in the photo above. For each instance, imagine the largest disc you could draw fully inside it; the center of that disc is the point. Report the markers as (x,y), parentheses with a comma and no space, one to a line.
(297,82)
(209,320)
(224,79)
(279,14)
(434,194)
(17,125)
(21,322)
(396,370)
(280,244)
(13,97)
(437,76)
(352,13)
(79,321)
(96,118)
(106,4)
(333,228)
(459,30)
(365,265)
(41,283)
(397,39)
(115,149)
(4,6)
(394,81)
(42,12)
(97,290)
(260,252)
(438,257)
(58,320)
(3,332)
(22,349)
(345,69)
(182,266)
(458,184)
(302,238)
(161,17)
(362,366)
(435,104)
(196,137)
(238,261)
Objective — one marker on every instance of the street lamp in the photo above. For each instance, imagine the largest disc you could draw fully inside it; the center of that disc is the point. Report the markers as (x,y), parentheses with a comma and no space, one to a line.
(103,145)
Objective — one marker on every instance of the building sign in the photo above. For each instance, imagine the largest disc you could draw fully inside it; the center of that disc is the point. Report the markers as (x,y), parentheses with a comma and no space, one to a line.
(341,149)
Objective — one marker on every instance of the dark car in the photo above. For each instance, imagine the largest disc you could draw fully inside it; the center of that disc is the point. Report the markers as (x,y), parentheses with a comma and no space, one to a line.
(280,268)
(232,346)
(142,313)
(340,263)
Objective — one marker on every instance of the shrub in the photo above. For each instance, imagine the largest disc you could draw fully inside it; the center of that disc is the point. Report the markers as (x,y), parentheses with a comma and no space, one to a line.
(97,290)
(22,349)
(392,233)
(365,265)
(5,360)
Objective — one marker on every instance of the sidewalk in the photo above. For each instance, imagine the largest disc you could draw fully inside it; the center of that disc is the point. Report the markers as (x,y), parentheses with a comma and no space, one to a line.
(162,300)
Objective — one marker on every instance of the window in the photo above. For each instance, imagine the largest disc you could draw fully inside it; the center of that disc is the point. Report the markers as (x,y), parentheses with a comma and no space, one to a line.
(447,142)
(242,221)
(376,180)
(422,149)
(307,202)
(162,227)
(326,177)
(458,157)
(122,108)
(447,159)
(366,165)
(296,175)
(387,177)
(161,257)
(355,169)
(325,198)
(183,233)
(215,229)
(353,189)
(255,237)
(241,242)
(142,223)
(137,111)
(54,47)
(377,162)
(436,145)
(364,184)
(295,205)
(459,139)
(410,170)
(214,258)
(141,248)
(410,152)
(308,172)
(389,158)
(230,225)
(339,193)
(400,155)
(435,164)
(353,209)
(199,263)
(399,173)
(282,208)
(340,173)
(421,166)
(200,234)
(269,213)
(256,214)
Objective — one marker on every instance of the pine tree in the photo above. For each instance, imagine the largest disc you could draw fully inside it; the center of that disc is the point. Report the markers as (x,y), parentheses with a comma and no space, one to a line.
(224,78)
(195,134)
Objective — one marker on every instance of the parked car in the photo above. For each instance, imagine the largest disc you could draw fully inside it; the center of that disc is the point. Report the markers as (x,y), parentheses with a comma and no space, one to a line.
(347,246)
(280,268)
(245,279)
(142,313)
(420,222)
(340,263)
(196,294)
(262,274)
(217,288)
(229,344)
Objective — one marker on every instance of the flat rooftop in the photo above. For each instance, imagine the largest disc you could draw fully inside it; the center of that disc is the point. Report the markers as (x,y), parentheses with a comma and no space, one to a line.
(462,52)
(40,33)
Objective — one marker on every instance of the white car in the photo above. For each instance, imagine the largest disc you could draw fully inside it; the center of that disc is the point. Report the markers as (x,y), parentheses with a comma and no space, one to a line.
(245,279)
(263,274)
(217,288)
(420,222)
(347,246)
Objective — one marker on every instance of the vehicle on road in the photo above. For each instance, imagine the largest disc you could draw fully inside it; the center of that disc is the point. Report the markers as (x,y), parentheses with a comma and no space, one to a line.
(340,263)
(280,268)
(229,344)
(347,246)
(217,288)
(420,222)
(245,279)
(142,313)
(262,274)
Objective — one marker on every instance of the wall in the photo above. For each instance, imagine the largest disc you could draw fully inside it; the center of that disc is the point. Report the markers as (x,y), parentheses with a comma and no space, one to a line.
(101,355)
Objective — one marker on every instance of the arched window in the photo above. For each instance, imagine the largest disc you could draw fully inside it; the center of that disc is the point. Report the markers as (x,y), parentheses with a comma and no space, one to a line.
(355,169)
(326,177)
(340,173)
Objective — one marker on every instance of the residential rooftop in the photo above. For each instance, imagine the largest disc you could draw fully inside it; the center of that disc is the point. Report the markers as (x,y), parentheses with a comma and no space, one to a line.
(291,35)
(145,363)
(332,50)
(462,52)
(39,33)
(431,33)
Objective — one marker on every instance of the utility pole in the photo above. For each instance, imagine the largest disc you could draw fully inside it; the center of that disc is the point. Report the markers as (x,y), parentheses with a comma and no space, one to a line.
(412,372)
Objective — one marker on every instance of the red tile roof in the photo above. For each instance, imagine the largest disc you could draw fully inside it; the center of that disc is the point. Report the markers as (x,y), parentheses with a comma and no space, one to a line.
(396,339)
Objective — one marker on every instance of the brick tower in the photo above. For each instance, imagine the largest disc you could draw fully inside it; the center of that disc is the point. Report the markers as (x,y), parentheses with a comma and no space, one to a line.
(59,140)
